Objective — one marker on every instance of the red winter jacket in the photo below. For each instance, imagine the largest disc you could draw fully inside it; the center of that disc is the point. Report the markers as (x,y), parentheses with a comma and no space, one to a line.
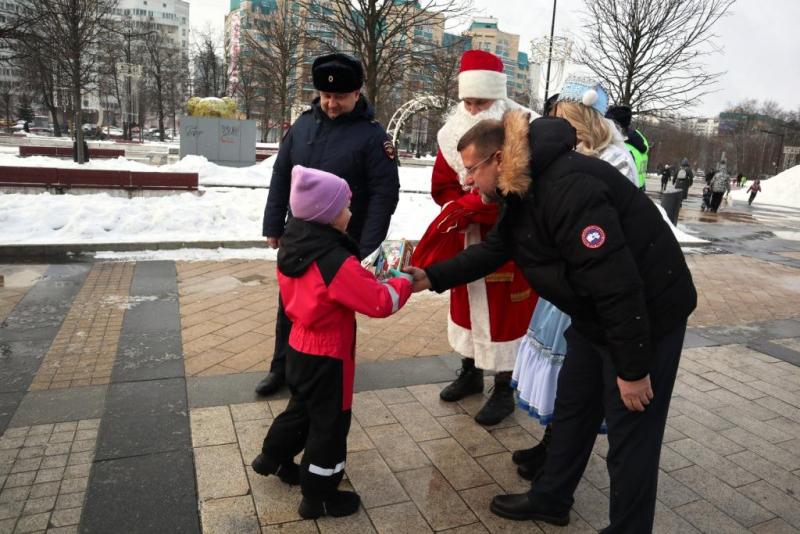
(322,286)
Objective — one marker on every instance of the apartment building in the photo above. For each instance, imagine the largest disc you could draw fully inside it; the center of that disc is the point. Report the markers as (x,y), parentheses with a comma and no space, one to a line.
(486,35)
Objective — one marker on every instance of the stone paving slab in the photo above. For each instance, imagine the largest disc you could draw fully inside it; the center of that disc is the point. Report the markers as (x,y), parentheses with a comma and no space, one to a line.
(730,462)
(45,470)
(83,351)
(731,459)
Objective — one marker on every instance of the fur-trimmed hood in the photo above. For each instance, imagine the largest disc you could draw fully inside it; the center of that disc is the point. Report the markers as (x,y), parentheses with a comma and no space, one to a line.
(529,148)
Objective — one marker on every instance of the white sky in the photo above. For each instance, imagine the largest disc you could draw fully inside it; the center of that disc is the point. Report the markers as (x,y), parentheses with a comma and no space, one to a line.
(761,49)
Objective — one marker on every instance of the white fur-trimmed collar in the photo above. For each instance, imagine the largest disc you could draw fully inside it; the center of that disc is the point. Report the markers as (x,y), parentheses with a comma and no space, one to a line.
(459,121)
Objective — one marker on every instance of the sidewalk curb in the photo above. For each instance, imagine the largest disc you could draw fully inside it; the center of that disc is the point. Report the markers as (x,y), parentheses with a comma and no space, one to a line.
(62,249)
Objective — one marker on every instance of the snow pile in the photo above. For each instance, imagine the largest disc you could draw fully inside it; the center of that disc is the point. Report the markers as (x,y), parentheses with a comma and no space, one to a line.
(682,237)
(782,189)
(102,218)
(211,174)
(216,214)
(115,164)
(208,173)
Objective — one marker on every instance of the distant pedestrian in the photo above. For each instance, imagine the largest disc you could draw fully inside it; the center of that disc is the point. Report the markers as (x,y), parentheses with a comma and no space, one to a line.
(684,178)
(634,140)
(323,285)
(719,186)
(666,174)
(754,189)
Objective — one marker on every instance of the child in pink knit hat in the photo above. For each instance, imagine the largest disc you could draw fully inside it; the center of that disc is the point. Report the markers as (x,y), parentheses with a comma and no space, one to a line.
(322,286)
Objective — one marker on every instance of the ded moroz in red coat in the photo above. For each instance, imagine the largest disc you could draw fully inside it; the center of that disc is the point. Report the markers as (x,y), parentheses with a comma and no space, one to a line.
(489,317)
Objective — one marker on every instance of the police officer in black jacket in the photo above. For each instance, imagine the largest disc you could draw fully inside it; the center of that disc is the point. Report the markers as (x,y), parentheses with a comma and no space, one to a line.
(340,135)
(595,246)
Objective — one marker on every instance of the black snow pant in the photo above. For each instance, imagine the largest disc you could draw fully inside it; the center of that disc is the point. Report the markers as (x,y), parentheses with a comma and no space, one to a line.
(283,327)
(587,391)
(716,200)
(313,420)
(752,197)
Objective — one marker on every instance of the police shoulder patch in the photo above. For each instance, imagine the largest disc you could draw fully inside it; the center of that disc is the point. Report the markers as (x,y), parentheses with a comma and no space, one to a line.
(389,150)
(593,236)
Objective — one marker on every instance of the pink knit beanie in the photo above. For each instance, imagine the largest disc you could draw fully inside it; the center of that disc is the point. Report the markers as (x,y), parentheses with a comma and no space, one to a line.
(317,196)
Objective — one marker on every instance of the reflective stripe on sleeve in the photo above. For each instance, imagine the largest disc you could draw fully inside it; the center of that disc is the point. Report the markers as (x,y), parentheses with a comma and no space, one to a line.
(395,298)
(325,471)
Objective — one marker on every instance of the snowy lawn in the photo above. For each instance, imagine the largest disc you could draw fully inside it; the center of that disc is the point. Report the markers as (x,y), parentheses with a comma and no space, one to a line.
(217,214)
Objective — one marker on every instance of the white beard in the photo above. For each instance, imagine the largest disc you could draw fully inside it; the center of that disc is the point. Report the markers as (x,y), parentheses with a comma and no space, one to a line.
(457,123)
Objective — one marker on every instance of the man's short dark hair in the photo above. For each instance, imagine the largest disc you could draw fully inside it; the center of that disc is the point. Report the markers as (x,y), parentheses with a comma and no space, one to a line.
(487,136)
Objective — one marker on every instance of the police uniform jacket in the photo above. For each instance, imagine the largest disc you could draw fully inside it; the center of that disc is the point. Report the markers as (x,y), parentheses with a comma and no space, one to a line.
(352,146)
(587,239)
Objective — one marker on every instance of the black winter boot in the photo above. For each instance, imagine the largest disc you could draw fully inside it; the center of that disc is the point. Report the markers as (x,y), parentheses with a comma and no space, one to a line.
(535,461)
(525,456)
(288,472)
(339,504)
(500,404)
(469,382)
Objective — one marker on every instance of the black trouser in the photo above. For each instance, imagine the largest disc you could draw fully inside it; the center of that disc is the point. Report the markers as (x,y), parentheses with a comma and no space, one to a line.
(587,391)
(314,421)
(664,182)
(752,197)
(283,327)
(716,200)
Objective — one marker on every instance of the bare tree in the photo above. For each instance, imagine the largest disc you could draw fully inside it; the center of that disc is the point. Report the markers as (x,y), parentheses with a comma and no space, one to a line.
(274,45)
(159,49)
(77,27)
(176,86)
(249,83)
(649,52)
(381,33)
(7,101)
(444,65)
(210,73)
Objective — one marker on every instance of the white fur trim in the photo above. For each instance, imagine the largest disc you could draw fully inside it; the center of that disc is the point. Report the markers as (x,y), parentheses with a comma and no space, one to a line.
(482,84)
(460,338)
(477,343)
(589,98)
(459,121)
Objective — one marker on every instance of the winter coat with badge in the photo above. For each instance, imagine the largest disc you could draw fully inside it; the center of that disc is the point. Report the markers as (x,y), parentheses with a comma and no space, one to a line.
(323,285)
(587,239)
(352,146)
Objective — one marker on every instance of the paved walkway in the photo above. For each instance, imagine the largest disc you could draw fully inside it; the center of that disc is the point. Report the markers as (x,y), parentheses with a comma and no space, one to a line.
(126,405)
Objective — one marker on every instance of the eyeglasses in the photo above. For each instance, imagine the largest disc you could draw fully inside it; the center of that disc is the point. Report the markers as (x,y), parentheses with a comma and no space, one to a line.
(469,171)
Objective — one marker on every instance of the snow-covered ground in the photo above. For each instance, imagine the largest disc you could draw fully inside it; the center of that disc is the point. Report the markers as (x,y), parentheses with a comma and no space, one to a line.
(782,189)
(216,214)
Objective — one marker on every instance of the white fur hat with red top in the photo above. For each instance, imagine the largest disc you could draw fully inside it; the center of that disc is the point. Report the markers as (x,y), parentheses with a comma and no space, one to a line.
(481,76)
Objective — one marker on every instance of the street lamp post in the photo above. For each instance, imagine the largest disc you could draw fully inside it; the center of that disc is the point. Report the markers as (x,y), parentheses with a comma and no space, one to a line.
(550,52)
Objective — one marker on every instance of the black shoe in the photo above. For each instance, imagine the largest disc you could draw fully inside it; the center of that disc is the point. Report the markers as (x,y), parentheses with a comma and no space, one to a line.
(529,470)
(288,472)
(518,507)
(270,384)
(340,504)
(525,456)
(500,404)
(469,382)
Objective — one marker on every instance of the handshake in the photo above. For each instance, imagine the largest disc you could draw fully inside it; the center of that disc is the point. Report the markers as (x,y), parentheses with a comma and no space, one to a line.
(418,278)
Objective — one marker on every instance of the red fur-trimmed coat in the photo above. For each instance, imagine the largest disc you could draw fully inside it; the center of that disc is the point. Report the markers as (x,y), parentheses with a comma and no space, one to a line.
(489,317)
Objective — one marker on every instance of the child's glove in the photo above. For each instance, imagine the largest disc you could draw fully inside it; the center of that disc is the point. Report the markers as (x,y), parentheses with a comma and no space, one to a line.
(394,273)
